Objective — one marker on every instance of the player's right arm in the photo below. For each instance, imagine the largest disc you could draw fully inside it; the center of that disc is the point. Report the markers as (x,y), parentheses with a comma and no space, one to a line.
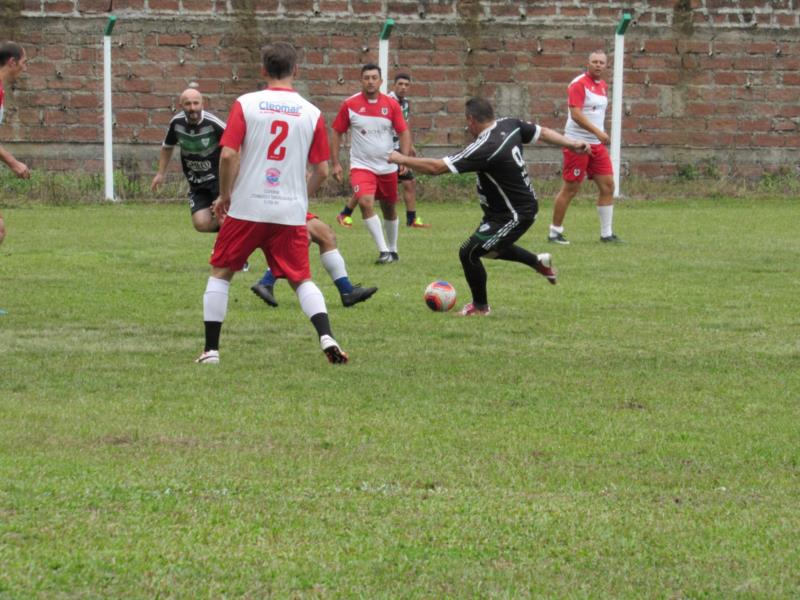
(339,127)
(163,163)
(336,144)
(231,144)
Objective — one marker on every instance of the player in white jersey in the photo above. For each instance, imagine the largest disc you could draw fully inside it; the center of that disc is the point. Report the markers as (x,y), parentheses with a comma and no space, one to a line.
(271,138)
(588,101)
(372,119)
(13,63)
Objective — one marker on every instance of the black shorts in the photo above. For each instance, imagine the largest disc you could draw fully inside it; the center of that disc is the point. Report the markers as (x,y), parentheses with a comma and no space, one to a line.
(407,176)
(201,198)
(497,233)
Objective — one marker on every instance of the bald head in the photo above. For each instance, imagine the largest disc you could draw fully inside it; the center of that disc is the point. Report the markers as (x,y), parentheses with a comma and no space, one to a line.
(191,102)
(597,64)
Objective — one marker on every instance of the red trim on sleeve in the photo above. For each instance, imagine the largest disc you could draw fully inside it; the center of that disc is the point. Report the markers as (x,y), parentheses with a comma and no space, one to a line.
(320,149)
(342,121)
(576,94)
(235,129)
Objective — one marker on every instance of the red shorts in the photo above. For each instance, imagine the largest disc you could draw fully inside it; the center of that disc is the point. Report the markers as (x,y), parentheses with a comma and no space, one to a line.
(578,166)
(284,246)
(367,183)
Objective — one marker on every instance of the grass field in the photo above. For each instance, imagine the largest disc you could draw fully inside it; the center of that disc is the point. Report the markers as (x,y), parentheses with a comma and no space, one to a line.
(630,433)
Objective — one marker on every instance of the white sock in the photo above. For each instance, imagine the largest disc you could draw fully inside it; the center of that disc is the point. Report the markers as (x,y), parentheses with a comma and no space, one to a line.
(311,299)
(334,264)
(392,228)
(606,214)
(373,225)
(554,231)
(215,300)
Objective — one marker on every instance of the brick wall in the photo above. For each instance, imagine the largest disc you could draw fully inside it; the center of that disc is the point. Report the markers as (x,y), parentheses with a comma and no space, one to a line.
(705,80)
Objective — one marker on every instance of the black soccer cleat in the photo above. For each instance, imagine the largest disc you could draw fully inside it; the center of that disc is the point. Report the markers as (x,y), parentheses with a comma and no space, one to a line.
(384,258)
(395,256)
(265,293)
(359,294)
(612,239)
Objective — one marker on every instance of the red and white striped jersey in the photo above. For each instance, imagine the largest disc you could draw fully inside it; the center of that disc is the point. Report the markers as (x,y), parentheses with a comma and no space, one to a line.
(372,125)
(279,133)
(591,96)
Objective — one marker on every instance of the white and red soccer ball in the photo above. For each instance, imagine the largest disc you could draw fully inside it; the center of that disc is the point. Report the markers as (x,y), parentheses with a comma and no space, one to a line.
(440,296)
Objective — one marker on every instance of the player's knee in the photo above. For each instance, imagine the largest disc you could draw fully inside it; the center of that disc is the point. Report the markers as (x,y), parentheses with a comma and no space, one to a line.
(323,236)
(468,253)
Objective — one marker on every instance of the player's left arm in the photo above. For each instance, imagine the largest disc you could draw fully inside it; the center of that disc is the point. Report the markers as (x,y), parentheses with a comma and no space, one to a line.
(429,166)
(556,139)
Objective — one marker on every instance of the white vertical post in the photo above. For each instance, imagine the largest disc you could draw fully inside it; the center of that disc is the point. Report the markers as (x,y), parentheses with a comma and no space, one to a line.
(616,101)
(108,159)
(383,53)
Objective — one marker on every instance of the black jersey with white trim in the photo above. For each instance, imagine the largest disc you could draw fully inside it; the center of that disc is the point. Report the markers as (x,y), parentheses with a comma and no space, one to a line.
(200,149)
(504,186)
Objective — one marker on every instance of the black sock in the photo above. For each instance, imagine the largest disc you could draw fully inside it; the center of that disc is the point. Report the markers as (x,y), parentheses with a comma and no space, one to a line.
(212,335)
(520,255)
(410,216)
(321,324)
(475,274)
(347,211)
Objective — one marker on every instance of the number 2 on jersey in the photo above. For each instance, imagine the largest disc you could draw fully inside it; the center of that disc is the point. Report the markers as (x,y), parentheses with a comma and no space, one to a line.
(280,129)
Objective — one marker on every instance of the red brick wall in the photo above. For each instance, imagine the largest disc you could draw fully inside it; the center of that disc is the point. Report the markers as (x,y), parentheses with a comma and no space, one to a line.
(705,79)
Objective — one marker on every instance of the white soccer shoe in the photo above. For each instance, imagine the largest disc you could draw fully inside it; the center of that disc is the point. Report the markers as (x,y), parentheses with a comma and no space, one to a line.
(333,352)
(545,267)
(209,357)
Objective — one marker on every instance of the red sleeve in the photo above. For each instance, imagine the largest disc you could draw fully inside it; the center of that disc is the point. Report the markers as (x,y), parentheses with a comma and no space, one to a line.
(320,150)
(576,94)
(235,129)
(398,122)
(342,121)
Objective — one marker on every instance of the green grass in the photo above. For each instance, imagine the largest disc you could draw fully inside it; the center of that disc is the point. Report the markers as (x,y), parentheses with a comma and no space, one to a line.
(632,432)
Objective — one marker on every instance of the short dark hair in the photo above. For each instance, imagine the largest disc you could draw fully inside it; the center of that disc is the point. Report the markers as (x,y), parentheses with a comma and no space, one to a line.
(400,76)
(479,109)
(279,59)
(371,67)
(9,50)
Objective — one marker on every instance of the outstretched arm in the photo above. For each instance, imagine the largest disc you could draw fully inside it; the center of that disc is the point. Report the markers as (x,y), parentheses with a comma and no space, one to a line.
(429,166)
(555,138)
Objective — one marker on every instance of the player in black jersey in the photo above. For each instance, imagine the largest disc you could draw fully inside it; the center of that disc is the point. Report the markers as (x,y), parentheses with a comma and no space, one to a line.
(504,188)
(197,132)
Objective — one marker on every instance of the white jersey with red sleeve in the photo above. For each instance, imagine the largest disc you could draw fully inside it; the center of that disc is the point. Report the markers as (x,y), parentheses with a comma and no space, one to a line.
(278,132)
(372,125)
(591,96)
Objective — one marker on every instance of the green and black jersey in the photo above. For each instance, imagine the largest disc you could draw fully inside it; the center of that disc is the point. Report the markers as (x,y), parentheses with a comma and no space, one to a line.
(200,148)
(405,107)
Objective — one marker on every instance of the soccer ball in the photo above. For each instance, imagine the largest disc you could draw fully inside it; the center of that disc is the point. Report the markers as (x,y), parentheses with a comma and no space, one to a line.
(440,296)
